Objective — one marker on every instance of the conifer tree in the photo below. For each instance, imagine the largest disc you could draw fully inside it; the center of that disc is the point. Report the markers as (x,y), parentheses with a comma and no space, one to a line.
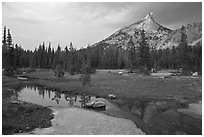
(72,60)
(4,48)
(9,59)
(65,58)
(50,58)
(57,58)
(131,54)
(4,37)
(144,53)
(184,50)
(16,56)
(9,38)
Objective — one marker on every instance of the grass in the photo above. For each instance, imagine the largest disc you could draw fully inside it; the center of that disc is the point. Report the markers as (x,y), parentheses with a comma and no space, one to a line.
(128,86)
(21,116)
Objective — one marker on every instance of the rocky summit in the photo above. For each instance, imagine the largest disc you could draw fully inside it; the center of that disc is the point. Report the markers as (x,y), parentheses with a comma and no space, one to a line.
(159,37)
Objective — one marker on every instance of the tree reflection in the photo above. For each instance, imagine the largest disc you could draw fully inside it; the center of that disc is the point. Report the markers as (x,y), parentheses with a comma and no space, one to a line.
(84,100)
(75,98)
(41,92)
(70,98)
(57,97)
(49,93)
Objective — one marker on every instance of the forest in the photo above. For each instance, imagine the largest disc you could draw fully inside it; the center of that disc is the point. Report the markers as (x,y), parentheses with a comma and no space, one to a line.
(102,56)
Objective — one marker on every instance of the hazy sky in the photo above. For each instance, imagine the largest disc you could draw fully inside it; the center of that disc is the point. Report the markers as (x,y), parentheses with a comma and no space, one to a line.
(87,23)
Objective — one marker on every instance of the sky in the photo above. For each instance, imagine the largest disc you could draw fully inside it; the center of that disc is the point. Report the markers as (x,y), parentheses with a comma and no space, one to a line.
(86,23)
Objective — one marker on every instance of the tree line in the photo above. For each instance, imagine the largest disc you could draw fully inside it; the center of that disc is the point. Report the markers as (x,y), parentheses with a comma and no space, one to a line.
(102,56)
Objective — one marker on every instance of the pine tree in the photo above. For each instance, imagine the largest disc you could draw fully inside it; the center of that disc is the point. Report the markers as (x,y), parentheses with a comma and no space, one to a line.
(65,59)
(16,56)
(57,57)
(9,59)
(4,36)
(184,50)
(44,56)
(4,49)
(59,72)
(144,52)
(72,59)
(10,62)
(131,54)
(39,56)
(50,58)
(9,38)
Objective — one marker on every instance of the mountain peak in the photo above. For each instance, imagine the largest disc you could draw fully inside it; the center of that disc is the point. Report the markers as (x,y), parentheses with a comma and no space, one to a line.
(149,16)
(149,24)
(158,35)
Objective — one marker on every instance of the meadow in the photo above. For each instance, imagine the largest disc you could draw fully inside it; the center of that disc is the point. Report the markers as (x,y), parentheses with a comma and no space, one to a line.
(126,85)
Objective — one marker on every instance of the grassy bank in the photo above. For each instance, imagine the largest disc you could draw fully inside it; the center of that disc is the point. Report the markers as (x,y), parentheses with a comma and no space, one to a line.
(20,116)
(124,86)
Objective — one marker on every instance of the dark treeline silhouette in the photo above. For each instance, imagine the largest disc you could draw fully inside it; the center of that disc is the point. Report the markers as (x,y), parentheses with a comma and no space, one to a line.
(102,56)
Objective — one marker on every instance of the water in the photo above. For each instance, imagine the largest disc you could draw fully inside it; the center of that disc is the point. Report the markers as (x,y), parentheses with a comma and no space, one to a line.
(161,117)
(153,117)
(48,98)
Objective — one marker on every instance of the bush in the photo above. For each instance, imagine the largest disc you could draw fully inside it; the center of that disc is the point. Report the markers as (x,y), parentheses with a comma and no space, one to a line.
(59,72)
(85,79)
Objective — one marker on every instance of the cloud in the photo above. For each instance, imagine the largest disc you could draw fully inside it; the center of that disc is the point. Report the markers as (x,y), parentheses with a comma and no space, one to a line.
(173,14)
(26,20)
(89,22)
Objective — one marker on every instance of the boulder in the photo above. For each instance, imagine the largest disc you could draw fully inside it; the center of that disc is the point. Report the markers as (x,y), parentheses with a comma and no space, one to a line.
(195,74)
(99,104)
(22,77)
(111,96)
(120,72)
(96,104)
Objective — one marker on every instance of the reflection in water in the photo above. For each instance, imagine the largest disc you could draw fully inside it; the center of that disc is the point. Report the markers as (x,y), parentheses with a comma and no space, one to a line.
(160,117)
(57,97)
(44,97)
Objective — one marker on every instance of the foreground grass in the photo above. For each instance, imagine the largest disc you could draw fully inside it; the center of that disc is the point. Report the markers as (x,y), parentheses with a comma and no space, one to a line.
(124,86)
(21,116)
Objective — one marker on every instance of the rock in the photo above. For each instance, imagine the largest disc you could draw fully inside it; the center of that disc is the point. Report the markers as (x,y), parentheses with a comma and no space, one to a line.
(89,105)
(195,74)
(120,72)
(162,74)
(99,104)
(96,104)
(111,96)
(77,121)
(22,77)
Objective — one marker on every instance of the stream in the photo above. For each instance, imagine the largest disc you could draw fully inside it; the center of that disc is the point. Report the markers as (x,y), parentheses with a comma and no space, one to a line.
(152,117)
